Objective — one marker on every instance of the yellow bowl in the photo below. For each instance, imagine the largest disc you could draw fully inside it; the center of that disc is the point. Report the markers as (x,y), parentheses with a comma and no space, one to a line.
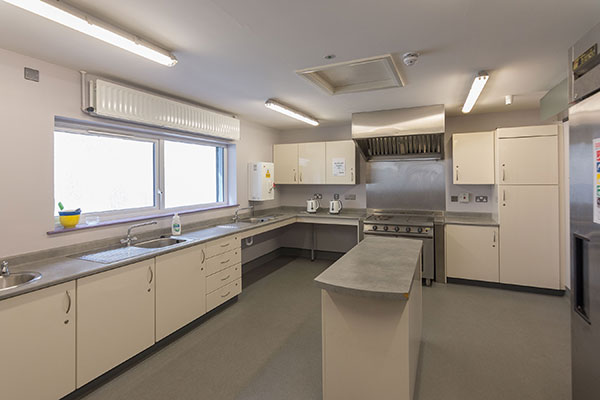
(69,221)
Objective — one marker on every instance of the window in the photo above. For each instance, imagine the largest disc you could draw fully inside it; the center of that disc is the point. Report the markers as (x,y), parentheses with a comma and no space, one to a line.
(129,174)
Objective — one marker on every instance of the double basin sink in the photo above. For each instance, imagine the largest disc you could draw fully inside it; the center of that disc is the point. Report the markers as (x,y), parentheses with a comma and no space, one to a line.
(16,279)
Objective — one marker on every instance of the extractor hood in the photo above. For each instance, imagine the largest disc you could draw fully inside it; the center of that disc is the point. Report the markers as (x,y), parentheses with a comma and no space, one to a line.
(415,133)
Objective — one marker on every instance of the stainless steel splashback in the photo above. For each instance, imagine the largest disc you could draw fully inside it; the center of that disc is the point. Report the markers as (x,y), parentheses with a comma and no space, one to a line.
(408,185)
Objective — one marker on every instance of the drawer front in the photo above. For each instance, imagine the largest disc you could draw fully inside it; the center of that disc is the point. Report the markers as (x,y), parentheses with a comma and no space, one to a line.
(222,261)
(221,246)
(223,294)
(222,278)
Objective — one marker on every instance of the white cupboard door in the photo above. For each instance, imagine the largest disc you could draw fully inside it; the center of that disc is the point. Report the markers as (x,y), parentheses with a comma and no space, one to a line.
(473,158)
(528,161)
(115,318)
(285,158)
(37,332)
(180,289)
(529,252)
(311,163)
(340,162)
(472,252)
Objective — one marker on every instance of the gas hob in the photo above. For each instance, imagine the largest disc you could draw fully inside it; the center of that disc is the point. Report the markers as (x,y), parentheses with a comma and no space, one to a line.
(399,225)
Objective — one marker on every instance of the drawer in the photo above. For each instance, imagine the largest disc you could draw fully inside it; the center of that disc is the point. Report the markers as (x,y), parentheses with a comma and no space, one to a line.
(223,294)
(222,278)
(222,261)
(221,246)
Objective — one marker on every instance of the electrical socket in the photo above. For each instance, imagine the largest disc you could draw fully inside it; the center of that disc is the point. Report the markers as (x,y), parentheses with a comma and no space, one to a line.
(317,196)
(481,199)
(350,196)
(454,199)
(464,197)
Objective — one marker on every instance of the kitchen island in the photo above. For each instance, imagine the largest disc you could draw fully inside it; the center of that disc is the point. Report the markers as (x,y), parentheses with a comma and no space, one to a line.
(371,320)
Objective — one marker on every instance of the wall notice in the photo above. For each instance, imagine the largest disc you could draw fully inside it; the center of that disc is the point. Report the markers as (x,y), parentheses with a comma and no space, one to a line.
(596,181)
(339,166)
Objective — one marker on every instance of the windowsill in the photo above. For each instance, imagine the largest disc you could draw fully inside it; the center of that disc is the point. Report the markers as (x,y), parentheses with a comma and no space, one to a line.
(59,230)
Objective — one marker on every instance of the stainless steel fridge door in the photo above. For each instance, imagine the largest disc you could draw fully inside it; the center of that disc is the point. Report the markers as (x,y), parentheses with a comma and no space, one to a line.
(584,121)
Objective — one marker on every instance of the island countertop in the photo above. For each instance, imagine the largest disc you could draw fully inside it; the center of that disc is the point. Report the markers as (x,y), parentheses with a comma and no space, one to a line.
(379,266)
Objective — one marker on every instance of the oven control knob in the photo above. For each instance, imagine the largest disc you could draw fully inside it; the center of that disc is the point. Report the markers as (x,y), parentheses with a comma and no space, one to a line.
(420,230)
(397,229)
(407,229)
(374,227)
(385,228)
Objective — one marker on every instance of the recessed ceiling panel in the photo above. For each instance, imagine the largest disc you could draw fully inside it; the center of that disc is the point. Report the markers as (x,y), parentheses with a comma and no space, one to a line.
(362,75)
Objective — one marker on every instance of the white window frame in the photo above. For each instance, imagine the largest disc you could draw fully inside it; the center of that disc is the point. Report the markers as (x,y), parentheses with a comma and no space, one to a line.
(158,137)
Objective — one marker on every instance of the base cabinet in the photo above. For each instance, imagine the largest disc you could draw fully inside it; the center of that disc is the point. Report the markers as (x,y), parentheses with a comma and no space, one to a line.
(37,332)
(180,294)
(472,252)
(115,318)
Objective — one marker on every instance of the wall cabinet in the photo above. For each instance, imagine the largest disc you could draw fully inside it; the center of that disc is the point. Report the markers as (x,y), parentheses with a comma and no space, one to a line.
(115,318)
(472,252)
(311,163)
(340,162)
(37,332)
(180,293)
(332,163)
(285,158)
(528,160)
(473,158)
(529,228)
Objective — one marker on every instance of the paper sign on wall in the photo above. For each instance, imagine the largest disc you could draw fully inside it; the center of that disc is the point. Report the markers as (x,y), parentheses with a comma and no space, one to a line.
(596,185)
(339,166)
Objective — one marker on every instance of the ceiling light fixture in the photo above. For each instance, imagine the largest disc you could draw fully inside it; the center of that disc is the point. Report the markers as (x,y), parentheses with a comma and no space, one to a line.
(476,88)
(84,23)
(508,99)
(276,106)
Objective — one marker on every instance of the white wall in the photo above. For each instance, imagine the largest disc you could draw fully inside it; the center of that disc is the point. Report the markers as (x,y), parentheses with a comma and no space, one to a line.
(480,123)
(296,195)
(27,111)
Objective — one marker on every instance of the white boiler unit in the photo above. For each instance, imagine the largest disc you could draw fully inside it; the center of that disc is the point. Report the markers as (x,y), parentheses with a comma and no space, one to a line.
(261,181)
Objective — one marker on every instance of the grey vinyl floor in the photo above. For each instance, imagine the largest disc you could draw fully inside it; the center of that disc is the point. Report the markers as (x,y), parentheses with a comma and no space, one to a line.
(478,343)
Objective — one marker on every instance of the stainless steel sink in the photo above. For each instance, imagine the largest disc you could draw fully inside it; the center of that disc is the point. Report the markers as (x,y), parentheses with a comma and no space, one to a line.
(16,279)
(258,220)
(236,225)
(158,243)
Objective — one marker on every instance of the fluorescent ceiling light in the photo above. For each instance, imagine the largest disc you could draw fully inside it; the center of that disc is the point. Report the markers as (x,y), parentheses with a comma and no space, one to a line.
(476,88)
(508,99)
(84,23)
(275,106)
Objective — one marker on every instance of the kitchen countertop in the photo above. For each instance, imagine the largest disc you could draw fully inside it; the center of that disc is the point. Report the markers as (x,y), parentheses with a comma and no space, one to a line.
(482,219)
(64,268)
(379,266)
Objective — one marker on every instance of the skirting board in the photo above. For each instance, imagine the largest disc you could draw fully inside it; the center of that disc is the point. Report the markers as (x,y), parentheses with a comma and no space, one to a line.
(517,288)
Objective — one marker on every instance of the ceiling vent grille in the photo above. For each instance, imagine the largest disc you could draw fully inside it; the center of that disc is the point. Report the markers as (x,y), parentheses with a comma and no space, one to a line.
(362,75)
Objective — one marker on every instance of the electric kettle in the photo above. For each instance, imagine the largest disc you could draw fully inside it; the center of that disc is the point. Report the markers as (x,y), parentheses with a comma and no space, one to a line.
(335,206)
(312,205)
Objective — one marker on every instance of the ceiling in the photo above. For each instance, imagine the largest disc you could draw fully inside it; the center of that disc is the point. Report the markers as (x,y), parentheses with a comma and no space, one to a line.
(235,54)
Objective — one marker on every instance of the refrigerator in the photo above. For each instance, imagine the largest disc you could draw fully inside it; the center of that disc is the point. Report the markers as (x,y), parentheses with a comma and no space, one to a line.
(584,164)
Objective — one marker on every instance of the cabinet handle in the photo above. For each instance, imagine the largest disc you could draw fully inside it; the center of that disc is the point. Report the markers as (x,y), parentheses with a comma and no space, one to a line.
(503,174)
(494,240)
(456,174)
(203,256)
(300,176)
(503,194)
(70,302)
(226,294)
(294,176)
(225,245)
(352,176)
(226,261)
(227,277)
(151,274)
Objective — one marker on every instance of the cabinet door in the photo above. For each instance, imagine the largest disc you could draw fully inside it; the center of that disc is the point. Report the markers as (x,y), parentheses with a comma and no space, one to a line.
(528,161)
(115,318)
(311,163)
(472,252)
(180,289)
(529,253)
(340,162)
(473,158)
(37,332)
(285,158)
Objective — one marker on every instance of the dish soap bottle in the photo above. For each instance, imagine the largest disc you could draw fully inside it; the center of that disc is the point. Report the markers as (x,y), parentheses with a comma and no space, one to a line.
(176,225)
